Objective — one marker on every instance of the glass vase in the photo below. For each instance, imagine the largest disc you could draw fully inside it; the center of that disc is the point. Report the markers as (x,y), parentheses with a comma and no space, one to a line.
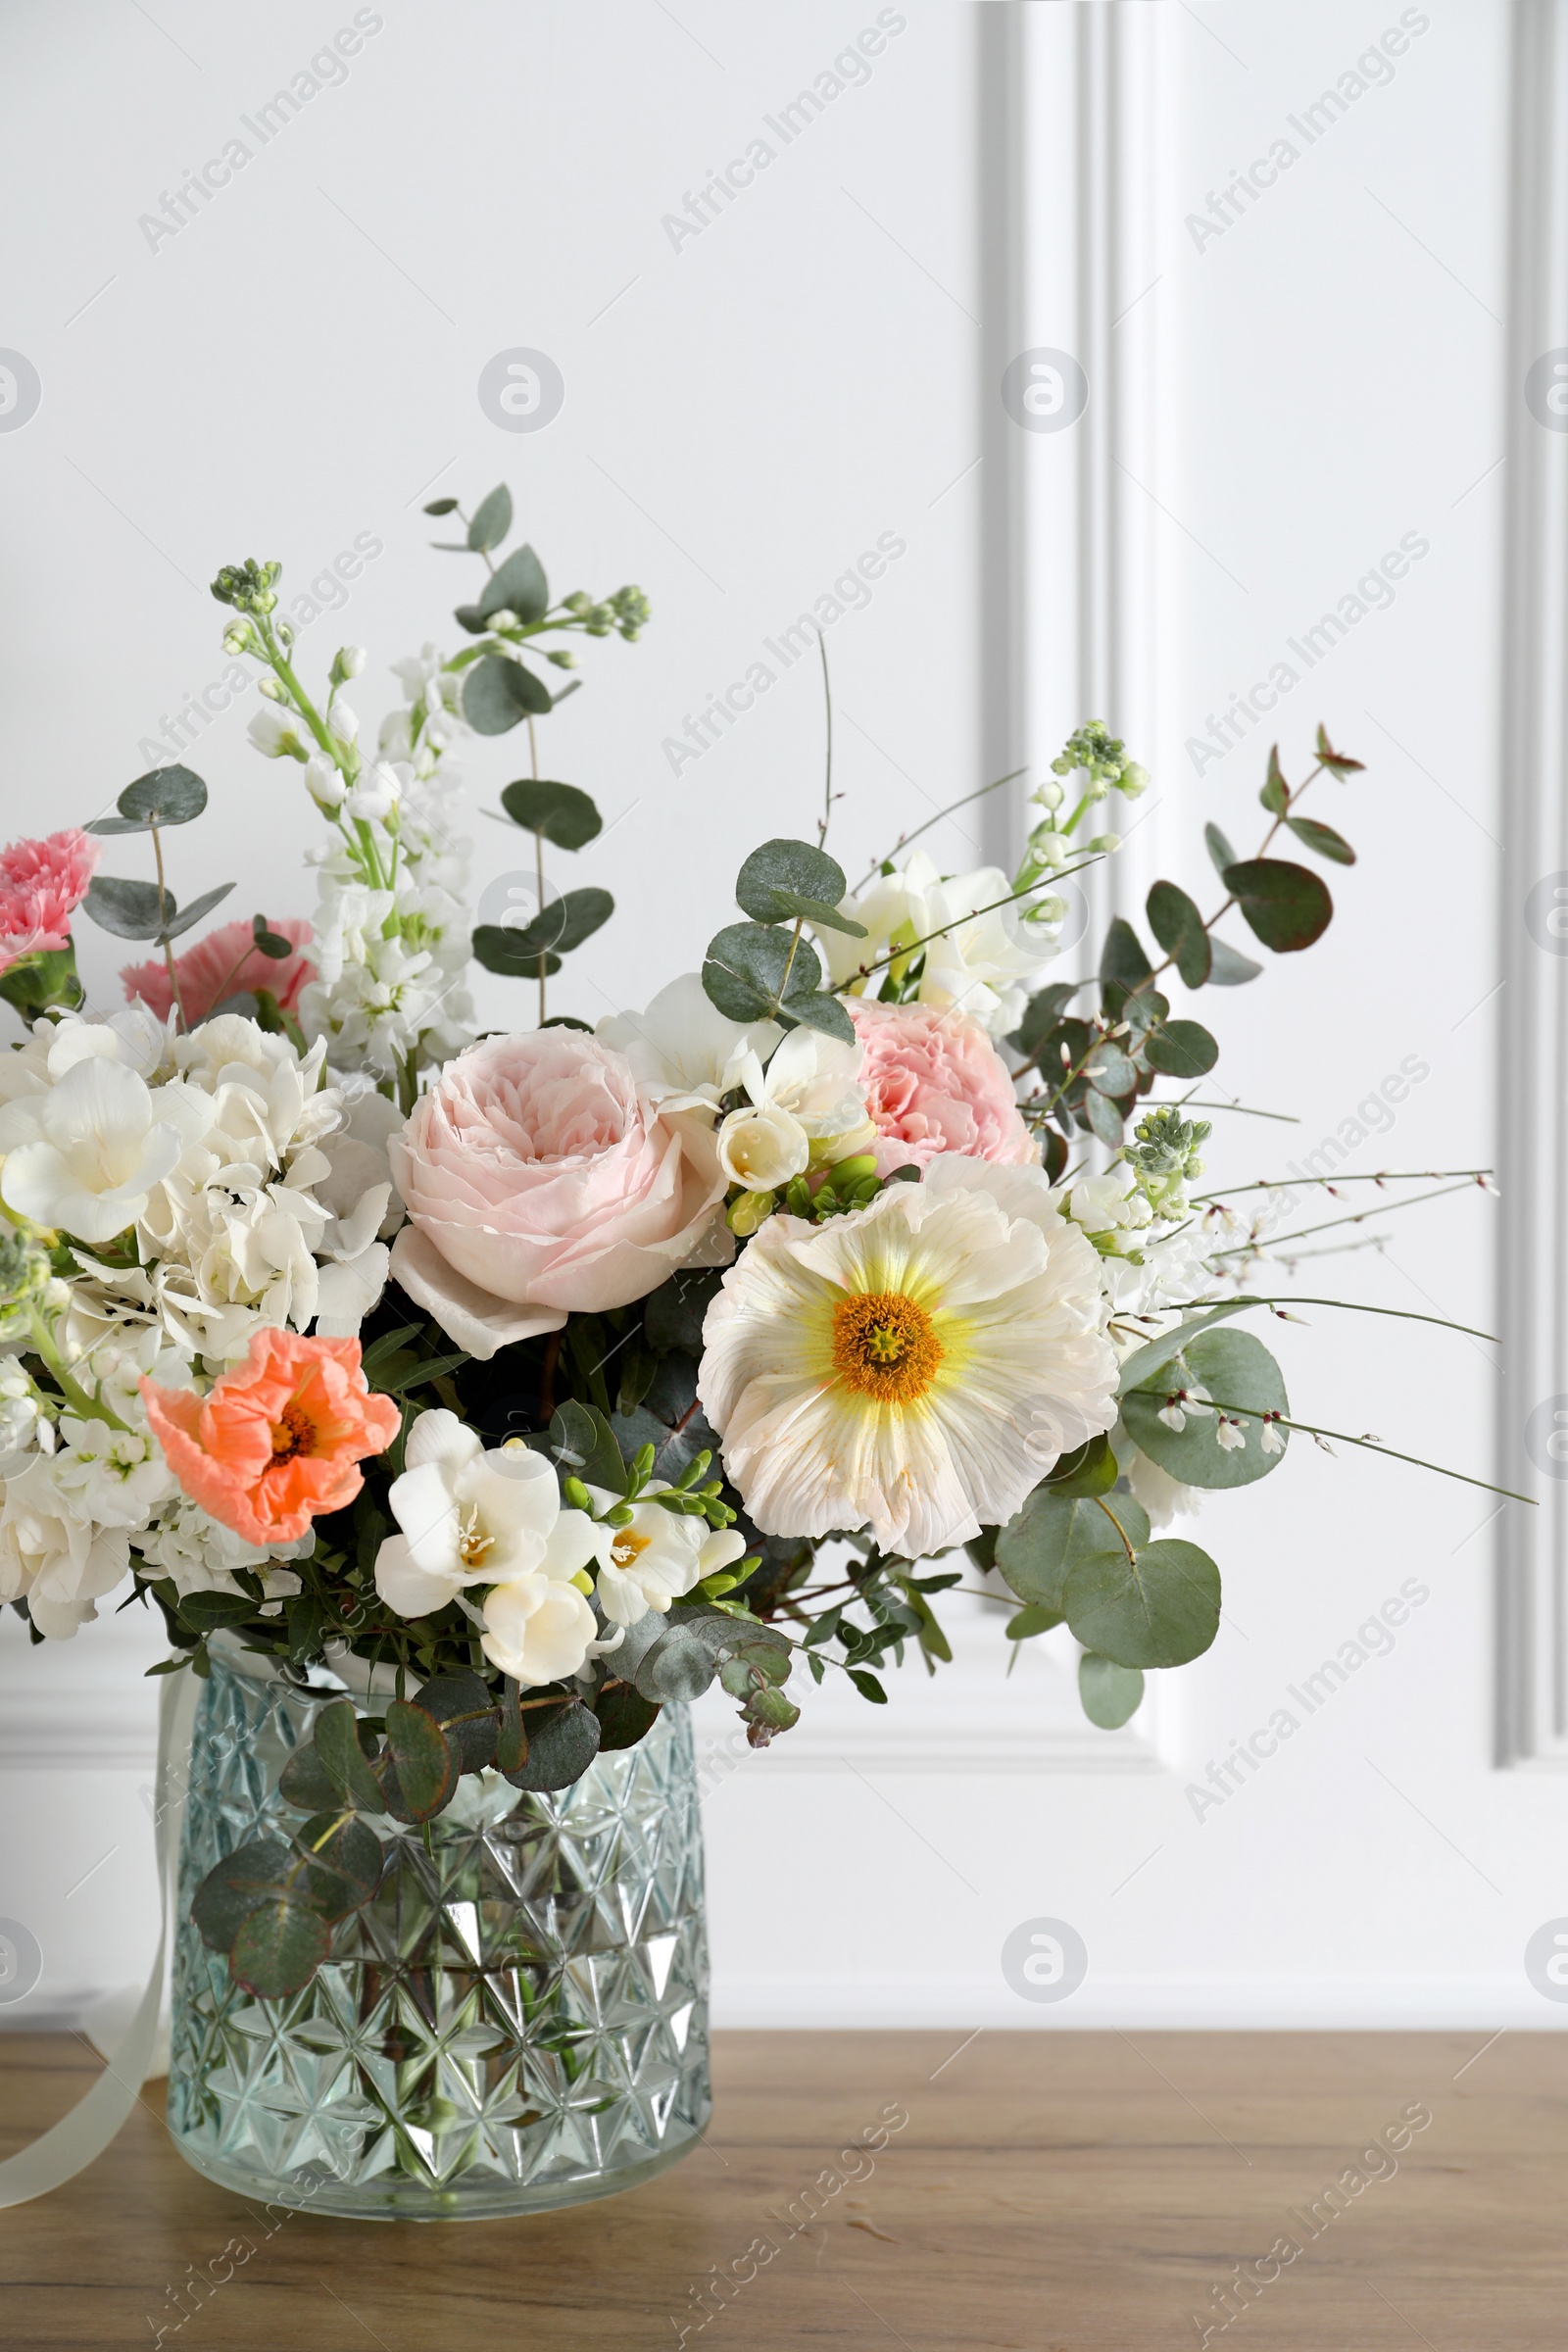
(517,2021)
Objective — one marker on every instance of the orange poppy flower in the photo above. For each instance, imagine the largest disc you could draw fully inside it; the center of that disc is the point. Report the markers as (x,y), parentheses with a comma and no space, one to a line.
(277,1441)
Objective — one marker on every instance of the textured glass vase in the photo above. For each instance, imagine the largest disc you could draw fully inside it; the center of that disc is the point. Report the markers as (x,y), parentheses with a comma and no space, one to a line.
(519,2019)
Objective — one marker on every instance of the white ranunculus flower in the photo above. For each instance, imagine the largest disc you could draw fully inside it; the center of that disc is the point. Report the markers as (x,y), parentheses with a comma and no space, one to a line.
(917,1365)
(52,1555)
(658,1556)
(468,1517)
(85,1156)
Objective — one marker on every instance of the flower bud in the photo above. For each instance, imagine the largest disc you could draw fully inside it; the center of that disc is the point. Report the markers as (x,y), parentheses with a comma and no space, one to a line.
(504,619)
(351,660)
(1134,780)
(341,721)
(576,1495)
(324,782)
(746,1213)
(1104,843)
(1048,796)
(274,688)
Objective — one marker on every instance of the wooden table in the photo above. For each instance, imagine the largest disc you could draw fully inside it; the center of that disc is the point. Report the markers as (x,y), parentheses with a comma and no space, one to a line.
(1047,2189)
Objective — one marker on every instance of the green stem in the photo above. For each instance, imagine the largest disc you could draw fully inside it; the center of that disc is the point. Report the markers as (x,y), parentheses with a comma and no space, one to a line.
(1250,1413)
(1385,1209)
(868,971)
(76,1395)
(904,839)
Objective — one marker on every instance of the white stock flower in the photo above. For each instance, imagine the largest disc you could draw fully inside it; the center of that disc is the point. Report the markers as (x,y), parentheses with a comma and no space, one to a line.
(342,720)
(378,792)
(85,1156)
(324,780)
(201,1556)
(468,1517)
(279,733)
(916,1365)
(51,1553)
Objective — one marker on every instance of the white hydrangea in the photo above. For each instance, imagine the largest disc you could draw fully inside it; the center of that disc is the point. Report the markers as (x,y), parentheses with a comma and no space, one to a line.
(199,1555)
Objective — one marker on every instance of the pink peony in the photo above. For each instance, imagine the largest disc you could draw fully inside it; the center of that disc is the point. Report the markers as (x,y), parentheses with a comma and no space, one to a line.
(538,1184)
(934,1082)
(218,967)
(42,883)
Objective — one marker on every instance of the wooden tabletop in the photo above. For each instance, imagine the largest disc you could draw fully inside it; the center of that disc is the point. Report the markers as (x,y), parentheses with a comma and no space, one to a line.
(1043,2191)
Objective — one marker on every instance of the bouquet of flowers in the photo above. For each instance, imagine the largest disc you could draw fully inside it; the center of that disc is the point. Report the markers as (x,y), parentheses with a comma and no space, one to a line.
(562,1370)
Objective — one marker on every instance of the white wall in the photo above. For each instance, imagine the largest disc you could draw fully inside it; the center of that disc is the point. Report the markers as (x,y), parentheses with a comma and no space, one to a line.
(747,413)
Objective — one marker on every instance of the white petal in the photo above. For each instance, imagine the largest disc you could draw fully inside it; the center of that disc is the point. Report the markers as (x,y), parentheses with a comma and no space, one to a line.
(440,1436)
(405,1588)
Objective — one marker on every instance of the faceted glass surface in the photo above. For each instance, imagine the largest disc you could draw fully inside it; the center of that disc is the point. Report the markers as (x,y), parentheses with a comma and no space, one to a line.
(518,2020)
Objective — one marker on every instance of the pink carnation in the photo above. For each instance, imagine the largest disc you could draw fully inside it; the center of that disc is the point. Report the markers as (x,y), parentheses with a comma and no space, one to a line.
(42,883)
(934,1082)
(218,967)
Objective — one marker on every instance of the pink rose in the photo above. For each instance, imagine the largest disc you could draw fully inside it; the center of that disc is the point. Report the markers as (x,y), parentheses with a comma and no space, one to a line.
(934,1083)
(538,1184)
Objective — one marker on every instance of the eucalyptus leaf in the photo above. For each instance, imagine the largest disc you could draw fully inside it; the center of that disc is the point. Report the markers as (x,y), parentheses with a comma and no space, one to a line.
(1031,1621)
(1141,1367)
(1275,795)
(583,1445)
(440,506)
(1109,1693)
(561,925)
(492,519)
(624,1717)
(749,966)
(1048,1538)
(494,945)
(337,1740)
(1323,839)
(1178,927)
(237,1886)
(1122,956)
(278,1948)
(1237,1370)
(1181,1050)
(1160,1608)
(1219,850)
(498,692)
(562,1742)
(679,1666)
(165,796)
(823,1012)
(193,914)
(350,1850)
(1089,1469)
(517,586)
(1230,968)
(1287,905)
(129,909)
(561,813)
(1040,1016)
(777,878)
(446,1695)
(425,1758)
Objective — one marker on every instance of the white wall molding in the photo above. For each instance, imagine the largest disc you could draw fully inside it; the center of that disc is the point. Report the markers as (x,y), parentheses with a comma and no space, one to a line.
(1531,1681)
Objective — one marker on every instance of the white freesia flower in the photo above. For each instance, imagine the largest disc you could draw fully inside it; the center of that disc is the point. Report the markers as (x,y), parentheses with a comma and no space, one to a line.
(983,953)
(468,1517)
(809,1091)
(539,1629)
(85,1156)
(52,1555)
(918,1364)
(658,1556)
(761,1147)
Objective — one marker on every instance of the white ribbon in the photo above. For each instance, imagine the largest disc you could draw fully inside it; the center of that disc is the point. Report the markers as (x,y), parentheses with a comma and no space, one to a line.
(71,2146)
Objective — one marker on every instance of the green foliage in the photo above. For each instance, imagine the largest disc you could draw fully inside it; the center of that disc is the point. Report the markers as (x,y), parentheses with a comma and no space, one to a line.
(1181,1050)
(492,519)
(1122,961)
(499,692)
(1230,968)
(1044,1541)
(516,949)
(1109,1693)
(1323,839)
(1155,1604)
(165,796)
(564,815)
(786,881)
(1287,905)
(1178,927)
(1219,850)
(519,586)
(562,1742)
(757,972)
(43,982)
(1238,1371)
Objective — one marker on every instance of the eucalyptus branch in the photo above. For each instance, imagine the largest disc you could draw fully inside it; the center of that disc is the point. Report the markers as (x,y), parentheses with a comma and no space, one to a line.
(1287,1184)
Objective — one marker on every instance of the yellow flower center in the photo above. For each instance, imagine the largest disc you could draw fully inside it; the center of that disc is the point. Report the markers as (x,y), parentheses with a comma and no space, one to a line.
(472,1541)
(626,1548)
(293,1433)
(885,1346)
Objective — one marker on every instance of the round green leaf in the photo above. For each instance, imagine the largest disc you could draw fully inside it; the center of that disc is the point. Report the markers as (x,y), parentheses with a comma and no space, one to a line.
(448,1694)
(559,811)
(1122,959)
(498,692)
(425,1758)
(1159,1608)
(749,966)
(1041,1544)
(1181,1050)
(822,1011)
(1287,905)
(624,1718)
(1229,969)
(1110,1072)
(440,506)
(1219,850)
(679,1666)
(278,1948)
(1238,1371)
(494,945)
(562,1742)
(352,1853)
(337,1740)
(237,1886)
(777,879)
(1109,1693)
(129,909)
(165,796)
(1035,1618)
